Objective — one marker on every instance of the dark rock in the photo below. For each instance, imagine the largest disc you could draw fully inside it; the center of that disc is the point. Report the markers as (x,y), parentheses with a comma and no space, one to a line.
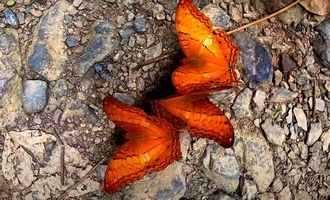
(72,41)
(287,64)
(35,96)
(140,24)
(10,18)
(322,43)
(256,59)
(39,58)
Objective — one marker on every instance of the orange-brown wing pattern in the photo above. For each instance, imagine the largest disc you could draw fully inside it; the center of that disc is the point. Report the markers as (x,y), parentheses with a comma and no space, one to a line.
(152,145)
(202,76)
(210,54)
(200,116)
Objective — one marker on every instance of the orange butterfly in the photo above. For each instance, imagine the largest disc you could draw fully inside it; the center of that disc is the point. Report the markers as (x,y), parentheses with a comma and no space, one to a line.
(210,53)
(202,118)
(152,144)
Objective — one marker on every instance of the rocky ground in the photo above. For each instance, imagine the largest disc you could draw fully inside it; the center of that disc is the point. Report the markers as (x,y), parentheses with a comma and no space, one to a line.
(59,59)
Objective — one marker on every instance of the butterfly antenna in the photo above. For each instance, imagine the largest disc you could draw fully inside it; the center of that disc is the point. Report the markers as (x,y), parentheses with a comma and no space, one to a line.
(262,19)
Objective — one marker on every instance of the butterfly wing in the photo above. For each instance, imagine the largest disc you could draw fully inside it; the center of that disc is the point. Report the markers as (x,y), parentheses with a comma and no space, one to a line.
(195,77)
(152,145)
(202,118)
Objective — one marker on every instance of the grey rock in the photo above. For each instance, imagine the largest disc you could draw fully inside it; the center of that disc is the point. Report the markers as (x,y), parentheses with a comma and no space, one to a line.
(140,24)
(319,104)
(314,133)
(153,51)
(10,81)
(35,96)
(164,185)
(256,60)
(126,32)
(72,41)
(10,18)
(254,153)
(322,44)
(102,43)
(158,12)
(47,54)
(217,16)
(274,133)
(300,117)
(106,72)
(222,167)
(282,95)
(241,106)
(293,16)
(249,190)
(61,88)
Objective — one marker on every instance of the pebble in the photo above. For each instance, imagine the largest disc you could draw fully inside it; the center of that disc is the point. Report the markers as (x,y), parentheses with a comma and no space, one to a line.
(266,196)
(256,60)
(277,185)
(326,141)
(241,106)
(300,117)
(314,133)
(218,16)
(274,133)
(282,95)
(11,3)
(103,71)
(259,99)
(77,3)
(159,12)
(10,18)
(322,44)
(224,170)
(35,96)
(254,153)
(319,104)
(153,51)
(287,64)
(140,24)
(72,41)
(124,98)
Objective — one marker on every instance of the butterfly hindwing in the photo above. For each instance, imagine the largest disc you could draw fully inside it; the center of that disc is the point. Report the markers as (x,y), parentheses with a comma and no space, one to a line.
(152,144)
(199,115)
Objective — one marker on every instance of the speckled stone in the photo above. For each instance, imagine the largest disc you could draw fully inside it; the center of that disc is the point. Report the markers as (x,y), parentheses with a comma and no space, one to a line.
(10,18)
(35,96)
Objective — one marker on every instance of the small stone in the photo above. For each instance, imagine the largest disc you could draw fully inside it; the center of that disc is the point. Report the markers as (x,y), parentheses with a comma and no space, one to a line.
(77,3)
(254,153)
(319,104)
(154,51)
(241,106)
(256,60)
(278,77)
(285,194)
(10,18)
(217,15)
(292,16)
(287,64)
(249,190)
(11,3)
(259,99)
(322,44)
(140,24)
(314,133)
(274,133)
(326,141)
(224,170)
(34,96)
(104,71)
(300,117)
(158,12)
(36,12)
(302,195)
(72,41)
(283,95)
